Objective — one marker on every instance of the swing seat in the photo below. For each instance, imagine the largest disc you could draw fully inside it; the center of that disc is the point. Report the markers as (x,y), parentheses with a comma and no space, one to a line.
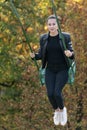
(71,73)
(42,75)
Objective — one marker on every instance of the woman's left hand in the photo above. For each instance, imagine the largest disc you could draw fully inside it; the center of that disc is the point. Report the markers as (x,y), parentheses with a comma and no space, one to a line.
(68,53)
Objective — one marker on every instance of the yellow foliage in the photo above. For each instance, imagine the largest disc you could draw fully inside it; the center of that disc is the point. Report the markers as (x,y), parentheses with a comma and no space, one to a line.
(1,35)
(78,1)
(18,47)
(43,5)
(35,47)
(7,31)
(6,19)
(30,29)
(5,40)
(2,1)
(5,118)
(21,57)
(45,28)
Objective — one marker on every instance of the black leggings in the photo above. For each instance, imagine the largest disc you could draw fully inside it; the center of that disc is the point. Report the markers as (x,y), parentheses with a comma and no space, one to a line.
(55,82)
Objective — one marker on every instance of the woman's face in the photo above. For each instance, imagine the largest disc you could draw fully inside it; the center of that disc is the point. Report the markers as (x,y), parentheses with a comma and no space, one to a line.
(52,26)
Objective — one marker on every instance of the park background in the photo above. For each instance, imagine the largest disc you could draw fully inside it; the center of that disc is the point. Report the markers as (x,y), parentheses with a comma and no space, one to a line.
(23,101)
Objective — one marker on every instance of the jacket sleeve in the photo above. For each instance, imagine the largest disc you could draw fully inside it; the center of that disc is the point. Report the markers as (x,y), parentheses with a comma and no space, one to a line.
(38,55)
(68,43)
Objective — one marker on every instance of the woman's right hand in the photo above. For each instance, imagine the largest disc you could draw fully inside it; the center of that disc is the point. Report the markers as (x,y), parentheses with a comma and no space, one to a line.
(32,55)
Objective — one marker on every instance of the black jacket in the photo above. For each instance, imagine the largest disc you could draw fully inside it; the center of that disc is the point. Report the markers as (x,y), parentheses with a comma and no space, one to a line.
(41,55)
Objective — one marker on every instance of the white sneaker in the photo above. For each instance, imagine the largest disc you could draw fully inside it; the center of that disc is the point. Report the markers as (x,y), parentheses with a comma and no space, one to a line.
(63,116)
(56,118)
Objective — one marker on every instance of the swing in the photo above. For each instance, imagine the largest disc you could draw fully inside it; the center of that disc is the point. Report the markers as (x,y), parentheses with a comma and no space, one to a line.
(72,64)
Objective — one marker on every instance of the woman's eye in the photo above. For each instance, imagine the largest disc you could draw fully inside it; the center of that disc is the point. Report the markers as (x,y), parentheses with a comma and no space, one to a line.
(49,24)
(52,24)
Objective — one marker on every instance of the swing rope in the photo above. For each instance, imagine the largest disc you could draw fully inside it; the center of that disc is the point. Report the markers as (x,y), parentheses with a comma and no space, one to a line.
(59,30)
(70,63)
(15,12)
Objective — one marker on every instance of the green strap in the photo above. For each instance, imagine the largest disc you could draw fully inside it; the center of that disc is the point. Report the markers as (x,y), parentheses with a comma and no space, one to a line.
(59,30)
(63,41)
(14,10)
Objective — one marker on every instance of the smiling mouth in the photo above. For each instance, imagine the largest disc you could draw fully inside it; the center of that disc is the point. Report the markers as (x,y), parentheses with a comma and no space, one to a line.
(51,29)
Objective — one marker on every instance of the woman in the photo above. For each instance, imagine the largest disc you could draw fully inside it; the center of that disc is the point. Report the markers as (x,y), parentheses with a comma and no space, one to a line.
(54,59)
